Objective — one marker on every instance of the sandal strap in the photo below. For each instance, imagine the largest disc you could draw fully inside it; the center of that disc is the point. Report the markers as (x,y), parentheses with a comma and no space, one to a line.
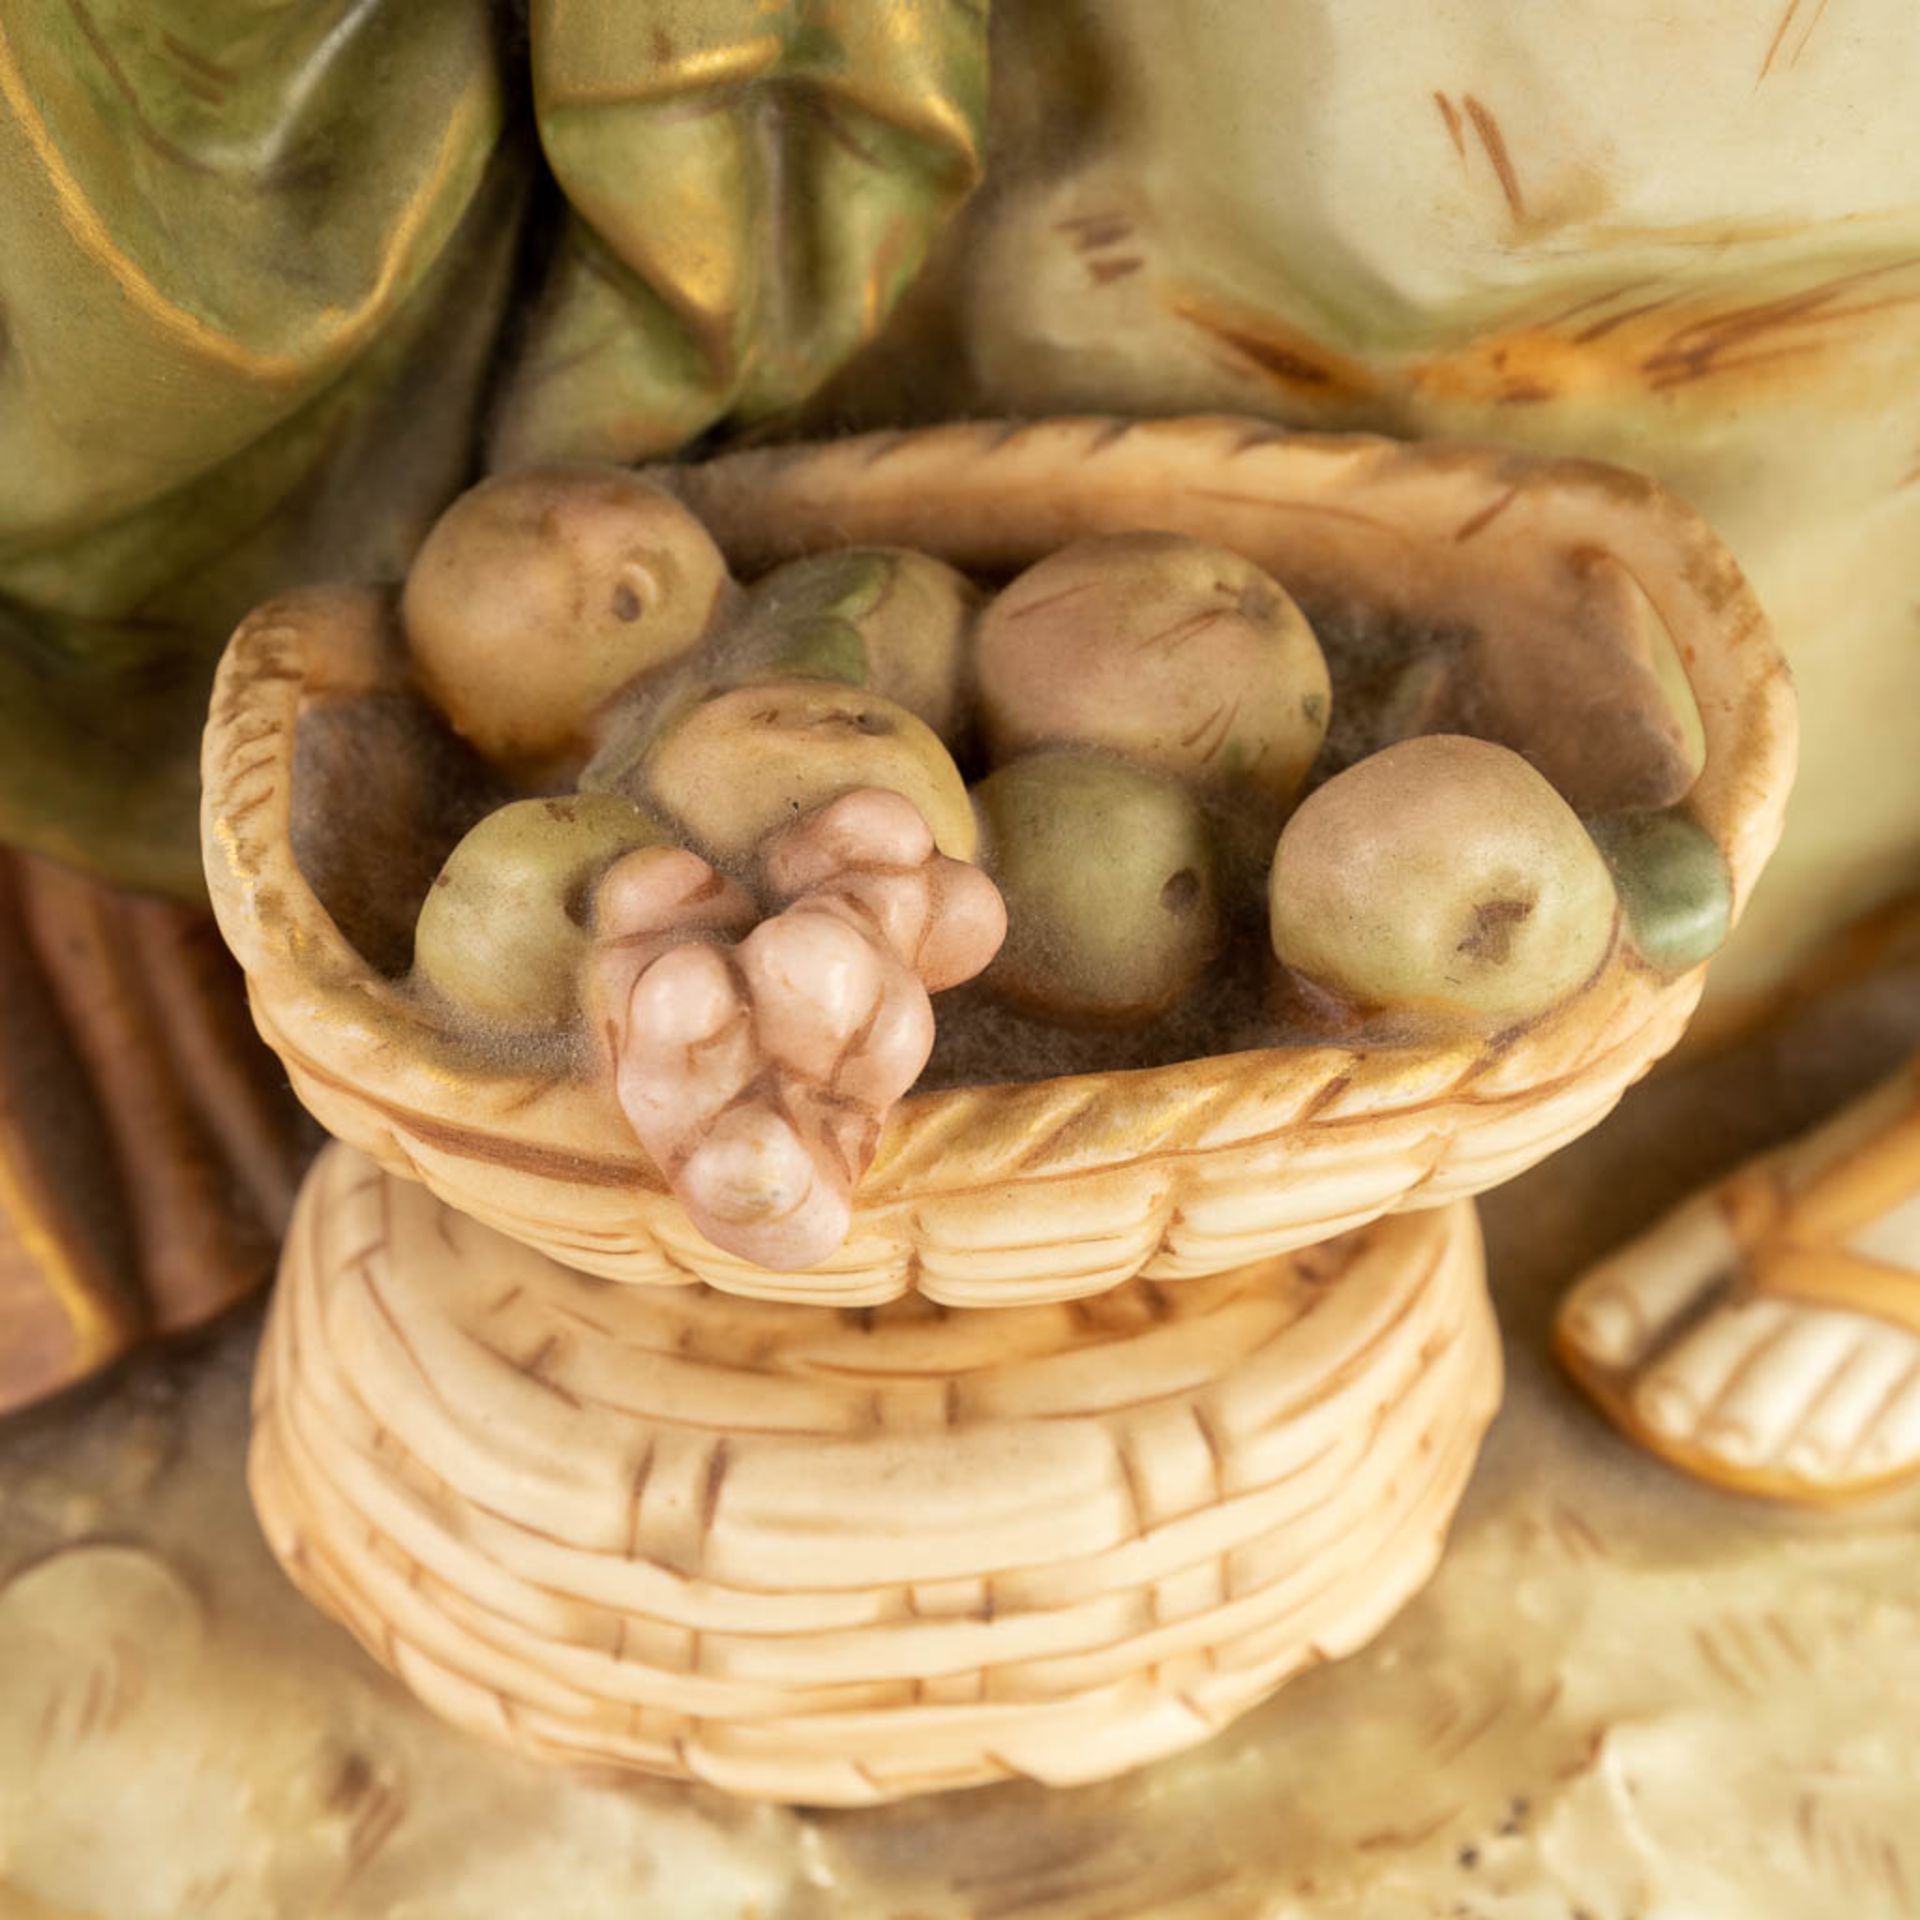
(1871,1180)
(1832,1277)
(1793,1239)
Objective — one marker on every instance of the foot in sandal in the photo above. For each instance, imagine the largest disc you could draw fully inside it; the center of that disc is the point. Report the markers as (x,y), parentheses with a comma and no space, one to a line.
(1766,1336)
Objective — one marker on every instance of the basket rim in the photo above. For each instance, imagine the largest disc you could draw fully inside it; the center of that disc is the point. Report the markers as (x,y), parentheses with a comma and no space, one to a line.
(998,494)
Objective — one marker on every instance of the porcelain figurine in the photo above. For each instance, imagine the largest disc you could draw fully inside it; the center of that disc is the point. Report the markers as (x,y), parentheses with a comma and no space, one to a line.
(912,1021)
(609,979)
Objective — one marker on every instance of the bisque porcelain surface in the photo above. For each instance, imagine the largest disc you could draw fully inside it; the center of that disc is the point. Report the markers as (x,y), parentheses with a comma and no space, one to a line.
(790,1524)
(838,1556)
(1016,1193)
(835,1541)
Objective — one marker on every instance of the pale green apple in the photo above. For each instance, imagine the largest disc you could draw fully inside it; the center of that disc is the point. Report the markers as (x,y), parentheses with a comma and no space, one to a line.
(504,928)
(1442,874)
(1110,881)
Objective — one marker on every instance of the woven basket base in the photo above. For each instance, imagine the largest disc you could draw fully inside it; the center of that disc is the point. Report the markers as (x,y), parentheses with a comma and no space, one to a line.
(843,1556)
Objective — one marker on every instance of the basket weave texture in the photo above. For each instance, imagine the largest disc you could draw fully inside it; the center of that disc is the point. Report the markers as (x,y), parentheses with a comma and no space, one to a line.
(1019,1193)
(839,1557)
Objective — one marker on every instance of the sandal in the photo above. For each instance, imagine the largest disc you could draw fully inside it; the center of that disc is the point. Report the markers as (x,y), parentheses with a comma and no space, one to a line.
(1765,1337)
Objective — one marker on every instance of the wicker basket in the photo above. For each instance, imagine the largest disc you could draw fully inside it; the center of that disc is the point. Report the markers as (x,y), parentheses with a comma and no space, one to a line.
(1015,1193)
(840,1557)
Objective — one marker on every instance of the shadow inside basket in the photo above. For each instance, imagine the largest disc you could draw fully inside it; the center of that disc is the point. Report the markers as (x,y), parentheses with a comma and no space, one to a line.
(383,790)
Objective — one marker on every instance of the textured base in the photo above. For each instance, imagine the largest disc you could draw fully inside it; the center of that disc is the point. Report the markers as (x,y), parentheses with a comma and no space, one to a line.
(839,1557)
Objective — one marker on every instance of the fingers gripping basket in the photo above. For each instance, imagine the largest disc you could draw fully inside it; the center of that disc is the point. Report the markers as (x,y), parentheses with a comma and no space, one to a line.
(1006,1194)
